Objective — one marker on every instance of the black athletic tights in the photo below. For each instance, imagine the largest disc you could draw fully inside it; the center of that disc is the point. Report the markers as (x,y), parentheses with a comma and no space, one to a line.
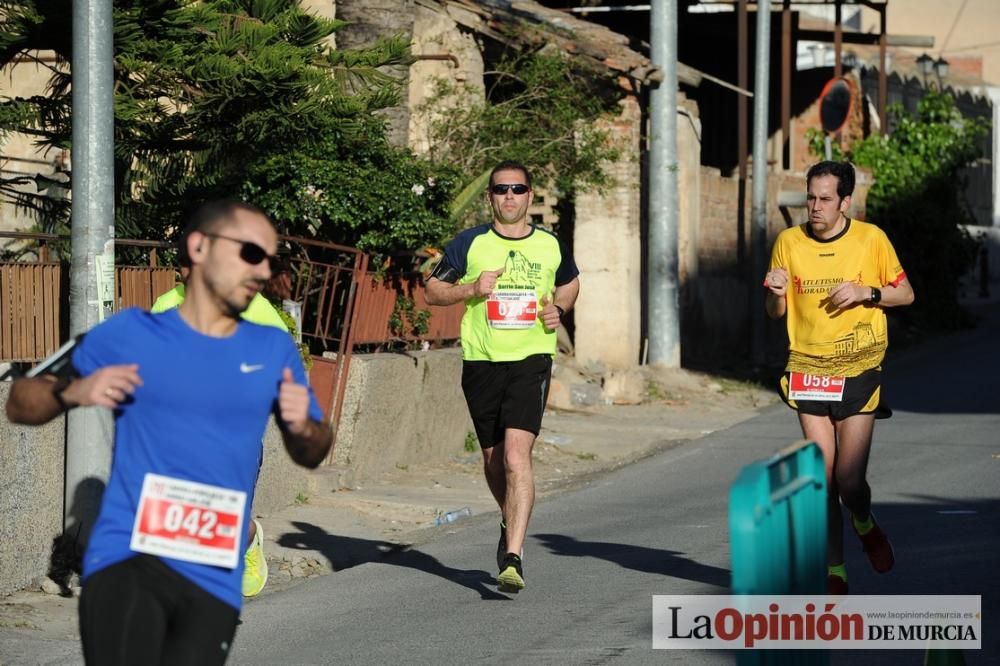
(141,611)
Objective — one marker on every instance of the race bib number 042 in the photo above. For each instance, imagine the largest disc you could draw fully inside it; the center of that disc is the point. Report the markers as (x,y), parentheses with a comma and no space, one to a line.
(189,521)
(510,308)
(815,387)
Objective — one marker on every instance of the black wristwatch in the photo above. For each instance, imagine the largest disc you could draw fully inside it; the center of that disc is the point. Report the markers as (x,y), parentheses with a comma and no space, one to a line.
(876,295)
(562,313)
(58,387)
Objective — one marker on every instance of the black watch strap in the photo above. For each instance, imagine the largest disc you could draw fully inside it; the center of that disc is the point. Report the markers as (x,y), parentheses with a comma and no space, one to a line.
(562,313)
(57,392)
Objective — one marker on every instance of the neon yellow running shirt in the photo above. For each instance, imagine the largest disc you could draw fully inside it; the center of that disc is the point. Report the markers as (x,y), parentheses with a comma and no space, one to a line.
(260,311)
(506,326)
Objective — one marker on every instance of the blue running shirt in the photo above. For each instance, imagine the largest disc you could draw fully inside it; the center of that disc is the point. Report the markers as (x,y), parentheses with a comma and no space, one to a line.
(199,416)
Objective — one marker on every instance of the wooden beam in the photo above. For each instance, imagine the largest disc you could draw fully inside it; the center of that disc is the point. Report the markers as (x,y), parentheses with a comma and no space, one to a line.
(870,38)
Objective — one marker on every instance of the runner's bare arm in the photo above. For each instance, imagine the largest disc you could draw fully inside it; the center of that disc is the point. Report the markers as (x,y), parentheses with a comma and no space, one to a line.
(306,440)
(38,400)
(900,294)
(32,402)
(848,294)
(441,292)
(566,295)
(776,282)
(310,446)
(559,304)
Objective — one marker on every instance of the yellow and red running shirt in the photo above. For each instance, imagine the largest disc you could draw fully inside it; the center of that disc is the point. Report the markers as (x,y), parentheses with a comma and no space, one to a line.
(823,340)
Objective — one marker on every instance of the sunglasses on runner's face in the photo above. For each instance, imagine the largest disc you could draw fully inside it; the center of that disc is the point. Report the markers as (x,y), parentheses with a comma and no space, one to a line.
(500,189)
(250,252)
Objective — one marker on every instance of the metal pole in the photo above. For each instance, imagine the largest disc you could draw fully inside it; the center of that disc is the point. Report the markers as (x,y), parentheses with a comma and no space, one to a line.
(88,431)
(758,240)
(664,328)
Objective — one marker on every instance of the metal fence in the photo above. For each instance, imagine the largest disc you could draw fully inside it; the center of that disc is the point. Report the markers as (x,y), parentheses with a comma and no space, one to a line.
(341,304)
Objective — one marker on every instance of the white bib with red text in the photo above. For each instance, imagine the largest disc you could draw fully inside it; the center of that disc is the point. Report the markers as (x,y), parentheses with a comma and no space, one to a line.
(512,308)
(189,521)
(815,387)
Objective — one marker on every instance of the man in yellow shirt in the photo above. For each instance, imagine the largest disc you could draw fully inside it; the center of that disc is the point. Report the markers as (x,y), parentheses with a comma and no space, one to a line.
(260,311)
(833,277)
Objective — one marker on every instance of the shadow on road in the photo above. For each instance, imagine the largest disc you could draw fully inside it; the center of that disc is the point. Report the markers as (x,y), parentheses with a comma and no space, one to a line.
(343,552)
(639,558)
(955,373)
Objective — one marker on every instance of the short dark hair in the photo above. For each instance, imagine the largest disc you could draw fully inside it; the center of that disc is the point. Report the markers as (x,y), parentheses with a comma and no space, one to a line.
(209,218)
(842,171)
(511,165)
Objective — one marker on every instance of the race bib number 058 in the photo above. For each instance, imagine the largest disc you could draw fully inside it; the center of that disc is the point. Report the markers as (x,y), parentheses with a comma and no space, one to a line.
(815,387)
(511,308)
(189,521)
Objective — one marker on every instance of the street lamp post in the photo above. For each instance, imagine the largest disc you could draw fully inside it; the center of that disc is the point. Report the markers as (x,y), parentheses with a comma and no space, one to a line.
(941,69)
(926,64)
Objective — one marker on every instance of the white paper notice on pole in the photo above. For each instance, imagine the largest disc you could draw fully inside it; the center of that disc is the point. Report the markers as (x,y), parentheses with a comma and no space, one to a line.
(104,265)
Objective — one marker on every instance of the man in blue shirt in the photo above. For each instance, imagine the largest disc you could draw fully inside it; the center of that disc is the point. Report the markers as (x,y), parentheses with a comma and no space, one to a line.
(192,390)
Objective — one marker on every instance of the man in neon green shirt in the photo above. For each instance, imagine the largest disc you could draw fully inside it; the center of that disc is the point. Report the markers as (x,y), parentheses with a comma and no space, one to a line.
(517,281)
(260,311)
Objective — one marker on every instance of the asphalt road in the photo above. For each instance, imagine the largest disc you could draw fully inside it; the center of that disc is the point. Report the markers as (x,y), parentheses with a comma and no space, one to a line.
(596,555)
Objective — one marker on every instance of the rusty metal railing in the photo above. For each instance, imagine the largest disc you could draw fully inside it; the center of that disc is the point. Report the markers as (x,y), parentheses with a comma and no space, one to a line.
(322,278)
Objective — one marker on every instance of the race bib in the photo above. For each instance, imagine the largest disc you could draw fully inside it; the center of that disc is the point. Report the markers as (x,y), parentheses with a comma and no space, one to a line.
(512,308)
(814,387)
(189,521)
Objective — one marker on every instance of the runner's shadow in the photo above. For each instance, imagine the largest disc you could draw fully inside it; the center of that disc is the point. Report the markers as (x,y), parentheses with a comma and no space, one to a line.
(639,558)
(344,552)
(66,557)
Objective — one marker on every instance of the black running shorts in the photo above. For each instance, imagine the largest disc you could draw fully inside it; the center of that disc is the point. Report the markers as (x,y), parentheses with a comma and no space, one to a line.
(140,611)
(862,395)
(506,394)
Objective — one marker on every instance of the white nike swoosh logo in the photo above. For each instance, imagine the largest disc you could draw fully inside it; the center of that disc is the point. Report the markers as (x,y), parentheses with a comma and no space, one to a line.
(250,368)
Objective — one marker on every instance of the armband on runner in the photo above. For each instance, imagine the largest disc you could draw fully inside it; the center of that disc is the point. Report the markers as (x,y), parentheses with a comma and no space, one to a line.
(445,272)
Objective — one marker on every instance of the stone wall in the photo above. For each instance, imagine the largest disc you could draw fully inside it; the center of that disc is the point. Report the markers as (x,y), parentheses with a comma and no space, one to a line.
(607,247)
(31,497)
(401,409)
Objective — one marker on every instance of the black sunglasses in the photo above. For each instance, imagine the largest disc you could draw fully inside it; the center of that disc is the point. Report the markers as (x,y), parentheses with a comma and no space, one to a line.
(517,188)
(250,252)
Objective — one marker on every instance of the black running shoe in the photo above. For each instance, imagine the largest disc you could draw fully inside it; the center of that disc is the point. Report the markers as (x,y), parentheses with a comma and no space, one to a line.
(502,544)
(511,576)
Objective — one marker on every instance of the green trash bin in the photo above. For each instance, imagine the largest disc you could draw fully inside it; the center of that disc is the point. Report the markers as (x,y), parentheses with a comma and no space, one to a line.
(777,535)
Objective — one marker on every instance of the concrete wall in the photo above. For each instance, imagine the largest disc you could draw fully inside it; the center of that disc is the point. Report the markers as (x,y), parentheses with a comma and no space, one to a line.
(280,479)
(607,248)
(31,497)
(401,409)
